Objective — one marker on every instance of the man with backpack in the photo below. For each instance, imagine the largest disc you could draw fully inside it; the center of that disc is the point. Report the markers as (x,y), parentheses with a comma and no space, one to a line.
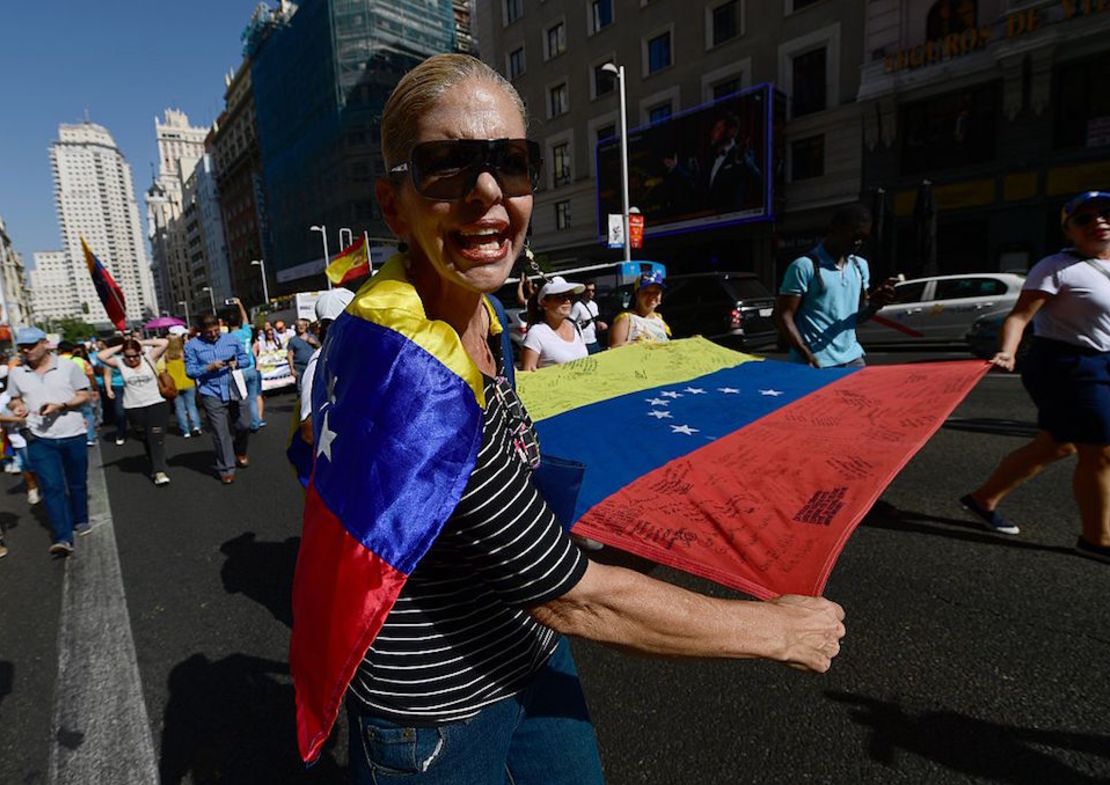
(824,295)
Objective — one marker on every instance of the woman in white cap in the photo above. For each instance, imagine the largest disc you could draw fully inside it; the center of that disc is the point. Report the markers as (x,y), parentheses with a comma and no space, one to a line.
(553,338)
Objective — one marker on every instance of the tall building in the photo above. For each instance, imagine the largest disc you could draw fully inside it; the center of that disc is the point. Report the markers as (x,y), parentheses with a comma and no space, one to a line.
(201,229)
(180,147)
(15,305)
(95,199)
(53,295)
(1002,107)
(680,57)
(321,74)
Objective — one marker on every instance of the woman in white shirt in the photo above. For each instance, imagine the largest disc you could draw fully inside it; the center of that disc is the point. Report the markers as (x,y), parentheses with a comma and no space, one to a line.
(553,338)
(146,408)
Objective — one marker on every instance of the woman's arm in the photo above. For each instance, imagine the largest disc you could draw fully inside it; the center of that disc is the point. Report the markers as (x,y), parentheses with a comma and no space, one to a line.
(158,347)
(1028,303)
(107,356)
(625,608)
(618,335)
(529,359)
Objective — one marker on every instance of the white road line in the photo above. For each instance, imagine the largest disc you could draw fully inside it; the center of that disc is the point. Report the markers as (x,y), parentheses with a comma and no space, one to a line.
(100,729)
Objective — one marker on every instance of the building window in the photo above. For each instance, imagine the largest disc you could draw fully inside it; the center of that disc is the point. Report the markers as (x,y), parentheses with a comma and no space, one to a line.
(604,82)
(949,131)
(725,22)
(556,40)
(807,158)
(558,101)
(1082,104)
(810,88)
(659,112)
(516,62)
(601,14)
(659,53)
(726,87)
(514,9)
(562,214)
(560,163)
(798,5)
(607,132)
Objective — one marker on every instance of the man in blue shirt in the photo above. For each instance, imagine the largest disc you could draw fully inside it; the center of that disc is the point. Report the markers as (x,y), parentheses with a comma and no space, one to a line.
(209,360)
(824,295)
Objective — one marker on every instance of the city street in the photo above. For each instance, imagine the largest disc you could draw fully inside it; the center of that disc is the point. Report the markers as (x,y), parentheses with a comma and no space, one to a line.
(970,657)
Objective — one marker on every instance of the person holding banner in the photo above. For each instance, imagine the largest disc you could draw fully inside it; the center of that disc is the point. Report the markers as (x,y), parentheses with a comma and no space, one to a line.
(642,322)
(449,582)
(553,337)
(1067,374)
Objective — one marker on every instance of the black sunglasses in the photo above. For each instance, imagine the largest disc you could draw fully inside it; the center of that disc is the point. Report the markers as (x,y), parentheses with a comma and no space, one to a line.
(1088,218)
(448,169)
(132,356)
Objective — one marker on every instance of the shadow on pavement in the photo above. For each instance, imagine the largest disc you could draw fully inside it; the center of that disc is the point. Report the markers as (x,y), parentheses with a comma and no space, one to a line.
(262,571)
(992,426)
(7,678)
(978,748)
(887,516)
(232,721)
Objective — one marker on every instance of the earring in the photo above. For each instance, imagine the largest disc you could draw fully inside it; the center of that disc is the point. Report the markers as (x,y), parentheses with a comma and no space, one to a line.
(402,247)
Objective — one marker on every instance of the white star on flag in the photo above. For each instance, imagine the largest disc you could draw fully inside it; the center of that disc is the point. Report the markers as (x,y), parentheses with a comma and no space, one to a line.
(669,394)
(327,436)
(331,388)
(686,429)
(695,391)
(728,390)
(772,393)
(657,402)
(660,414)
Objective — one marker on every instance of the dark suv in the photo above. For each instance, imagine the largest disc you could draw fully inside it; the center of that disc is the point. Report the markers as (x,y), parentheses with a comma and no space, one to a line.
(734,309)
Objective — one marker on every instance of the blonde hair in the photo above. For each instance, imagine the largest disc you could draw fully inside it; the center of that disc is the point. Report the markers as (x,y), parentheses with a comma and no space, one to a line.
(175,348)
(419,90)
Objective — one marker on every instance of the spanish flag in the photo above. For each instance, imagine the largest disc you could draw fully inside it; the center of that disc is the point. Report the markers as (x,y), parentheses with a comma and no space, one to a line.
(111,296)
(351,263)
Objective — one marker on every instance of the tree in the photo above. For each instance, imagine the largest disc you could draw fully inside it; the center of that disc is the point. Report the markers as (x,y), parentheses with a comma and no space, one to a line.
(71,328)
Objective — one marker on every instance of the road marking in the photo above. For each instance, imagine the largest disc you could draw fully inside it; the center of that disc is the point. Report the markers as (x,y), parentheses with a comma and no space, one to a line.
(100,729)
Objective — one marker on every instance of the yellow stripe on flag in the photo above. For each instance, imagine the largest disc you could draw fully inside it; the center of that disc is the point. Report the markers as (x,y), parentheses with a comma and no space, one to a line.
(628,369)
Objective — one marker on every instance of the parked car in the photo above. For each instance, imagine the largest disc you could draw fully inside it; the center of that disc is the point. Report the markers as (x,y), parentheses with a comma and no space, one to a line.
(731,308)
(940,309)
(983,337)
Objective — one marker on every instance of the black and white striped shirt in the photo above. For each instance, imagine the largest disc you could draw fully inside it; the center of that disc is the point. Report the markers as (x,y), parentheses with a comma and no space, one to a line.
(460,637)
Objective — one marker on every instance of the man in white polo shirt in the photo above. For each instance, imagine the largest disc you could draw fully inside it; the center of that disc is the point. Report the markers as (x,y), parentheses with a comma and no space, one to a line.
(48,394)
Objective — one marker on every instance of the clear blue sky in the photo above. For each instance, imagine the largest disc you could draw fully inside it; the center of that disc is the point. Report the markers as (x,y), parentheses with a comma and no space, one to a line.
(123,60)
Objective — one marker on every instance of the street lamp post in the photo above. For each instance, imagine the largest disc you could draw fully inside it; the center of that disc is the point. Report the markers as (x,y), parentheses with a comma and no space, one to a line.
(265,288)
(350,237)
(211,297)
(618,71)
(323,230)
(185,309)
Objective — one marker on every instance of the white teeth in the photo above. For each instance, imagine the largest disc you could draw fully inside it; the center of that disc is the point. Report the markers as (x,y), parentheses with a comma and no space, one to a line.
(481,233)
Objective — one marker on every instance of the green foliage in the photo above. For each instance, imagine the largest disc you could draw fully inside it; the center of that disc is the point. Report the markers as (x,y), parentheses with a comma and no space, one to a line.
(71,329)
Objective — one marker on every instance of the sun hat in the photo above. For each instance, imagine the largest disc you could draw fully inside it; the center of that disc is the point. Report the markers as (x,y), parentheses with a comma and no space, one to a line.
(332,303)
(178,329)
(1076,202)
(28,336)
(559,285)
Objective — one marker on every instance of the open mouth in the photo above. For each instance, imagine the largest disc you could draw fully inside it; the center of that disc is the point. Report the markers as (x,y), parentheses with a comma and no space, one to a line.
(483,244)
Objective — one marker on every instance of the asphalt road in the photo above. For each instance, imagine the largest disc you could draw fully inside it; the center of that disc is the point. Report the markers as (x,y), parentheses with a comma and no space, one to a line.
(970,656)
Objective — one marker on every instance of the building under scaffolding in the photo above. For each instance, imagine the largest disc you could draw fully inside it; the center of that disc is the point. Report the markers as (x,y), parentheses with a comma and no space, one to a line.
(321,74)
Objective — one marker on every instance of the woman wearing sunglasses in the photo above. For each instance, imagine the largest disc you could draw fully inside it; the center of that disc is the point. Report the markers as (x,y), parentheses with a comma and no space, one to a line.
(553,337)
(146,408)
(468,679)
(642,323)
(1067,374)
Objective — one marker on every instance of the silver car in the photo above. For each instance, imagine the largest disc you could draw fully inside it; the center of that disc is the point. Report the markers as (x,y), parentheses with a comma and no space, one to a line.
(940,309)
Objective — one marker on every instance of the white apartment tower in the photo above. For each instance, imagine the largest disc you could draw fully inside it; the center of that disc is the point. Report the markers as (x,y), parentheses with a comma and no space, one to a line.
(95,200)
(52,293)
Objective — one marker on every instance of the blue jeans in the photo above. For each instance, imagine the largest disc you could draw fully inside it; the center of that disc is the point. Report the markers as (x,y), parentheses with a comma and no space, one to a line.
(90,421)
(541,736)
(185,407)
(253,378)
(61,467)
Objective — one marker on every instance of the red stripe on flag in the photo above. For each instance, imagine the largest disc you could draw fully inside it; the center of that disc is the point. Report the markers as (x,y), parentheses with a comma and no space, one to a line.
(342,593)
(767,509)
(897,326)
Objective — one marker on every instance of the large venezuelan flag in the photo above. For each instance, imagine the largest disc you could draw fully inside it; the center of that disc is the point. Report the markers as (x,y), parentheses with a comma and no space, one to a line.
(397,422)
(111,296)
(749,472)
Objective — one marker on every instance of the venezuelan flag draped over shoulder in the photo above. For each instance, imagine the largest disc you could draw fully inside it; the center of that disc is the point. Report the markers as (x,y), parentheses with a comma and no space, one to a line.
(351,263)
(397,416)
(111,296)
(750,472)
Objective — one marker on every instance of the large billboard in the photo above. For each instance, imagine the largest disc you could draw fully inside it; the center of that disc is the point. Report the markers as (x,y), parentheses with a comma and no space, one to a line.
(719,163)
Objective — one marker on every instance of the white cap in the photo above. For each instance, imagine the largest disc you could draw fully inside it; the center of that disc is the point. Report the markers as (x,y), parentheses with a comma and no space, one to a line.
(558,285)
(333,302)
(178,329)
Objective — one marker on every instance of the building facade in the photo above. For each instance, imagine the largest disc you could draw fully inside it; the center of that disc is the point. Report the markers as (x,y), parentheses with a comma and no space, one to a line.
(53,295)
(95,199)
(321,74)
(1001,106)
(679,56)
(15,303)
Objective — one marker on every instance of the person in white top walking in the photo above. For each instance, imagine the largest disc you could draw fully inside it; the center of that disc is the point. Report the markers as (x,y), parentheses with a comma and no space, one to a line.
(585,314)
(145,406)
(553,337)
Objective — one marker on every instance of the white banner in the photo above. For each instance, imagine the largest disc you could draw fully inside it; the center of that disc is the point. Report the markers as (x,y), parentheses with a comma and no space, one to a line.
(616,230)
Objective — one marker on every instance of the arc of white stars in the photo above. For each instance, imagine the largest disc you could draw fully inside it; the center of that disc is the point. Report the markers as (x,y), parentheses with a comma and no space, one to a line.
(327,436)
(657,402)
(659,414)
(772,393)
(728,390)
(686,429)
(695,390)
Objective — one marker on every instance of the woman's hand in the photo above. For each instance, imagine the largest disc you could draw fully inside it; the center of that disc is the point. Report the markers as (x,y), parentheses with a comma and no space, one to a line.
(811,629)
(110,393)
(1003,360)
